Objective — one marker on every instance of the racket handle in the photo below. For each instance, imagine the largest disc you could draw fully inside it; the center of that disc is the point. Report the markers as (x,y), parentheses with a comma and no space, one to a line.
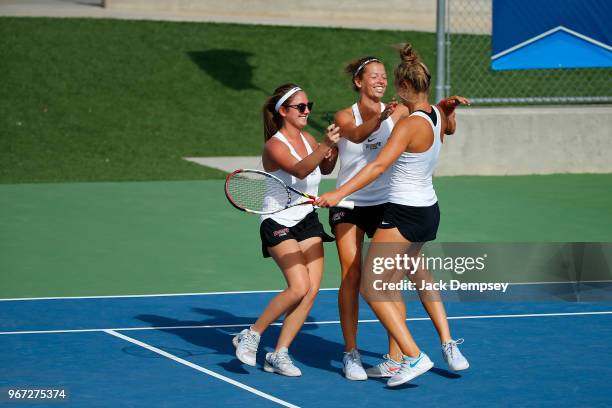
(349,205)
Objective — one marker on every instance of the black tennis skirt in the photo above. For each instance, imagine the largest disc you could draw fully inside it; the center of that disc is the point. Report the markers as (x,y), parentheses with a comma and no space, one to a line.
(416,224)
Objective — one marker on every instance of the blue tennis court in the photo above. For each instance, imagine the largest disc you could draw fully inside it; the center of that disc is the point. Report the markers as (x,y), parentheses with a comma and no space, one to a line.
(176,351)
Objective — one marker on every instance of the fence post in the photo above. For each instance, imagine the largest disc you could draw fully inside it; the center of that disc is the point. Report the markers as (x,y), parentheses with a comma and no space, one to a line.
(440,49)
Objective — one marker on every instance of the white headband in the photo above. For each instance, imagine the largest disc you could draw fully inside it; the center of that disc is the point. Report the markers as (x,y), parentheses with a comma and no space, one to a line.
(363,64)
(285,97)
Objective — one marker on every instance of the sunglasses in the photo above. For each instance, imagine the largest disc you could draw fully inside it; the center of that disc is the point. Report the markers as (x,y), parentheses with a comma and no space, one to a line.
(301,107)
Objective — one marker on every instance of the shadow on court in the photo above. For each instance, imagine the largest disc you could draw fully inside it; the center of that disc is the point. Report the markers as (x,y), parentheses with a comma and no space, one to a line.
(308,349)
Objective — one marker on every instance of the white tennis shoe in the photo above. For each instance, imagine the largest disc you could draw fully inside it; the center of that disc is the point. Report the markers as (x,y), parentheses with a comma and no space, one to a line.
(246,343)
(385,369)
(279,362)
(411,368)
(453,357)
(352,367)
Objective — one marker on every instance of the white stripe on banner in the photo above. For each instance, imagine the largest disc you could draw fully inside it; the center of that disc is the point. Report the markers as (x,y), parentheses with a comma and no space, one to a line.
(549,32)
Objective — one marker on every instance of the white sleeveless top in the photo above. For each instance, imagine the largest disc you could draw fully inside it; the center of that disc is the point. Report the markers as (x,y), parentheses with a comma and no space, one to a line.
(310,185)
(411,177)
(354,156)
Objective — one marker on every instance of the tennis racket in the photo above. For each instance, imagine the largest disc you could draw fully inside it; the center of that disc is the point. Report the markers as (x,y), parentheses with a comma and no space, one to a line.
(258,192)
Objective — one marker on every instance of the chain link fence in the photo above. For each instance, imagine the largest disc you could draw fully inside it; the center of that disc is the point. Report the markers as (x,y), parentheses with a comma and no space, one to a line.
(468,66)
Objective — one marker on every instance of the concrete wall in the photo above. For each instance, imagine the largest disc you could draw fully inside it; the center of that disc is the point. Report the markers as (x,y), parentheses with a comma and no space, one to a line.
(509,141)
(529,140)
(418,15)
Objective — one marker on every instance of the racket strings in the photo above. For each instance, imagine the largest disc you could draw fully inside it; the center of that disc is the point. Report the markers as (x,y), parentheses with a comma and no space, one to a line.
(257,192)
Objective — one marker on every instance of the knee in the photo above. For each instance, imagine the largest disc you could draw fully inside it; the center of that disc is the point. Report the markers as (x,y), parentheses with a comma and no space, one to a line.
(299,290)
(312,293)
(351,278)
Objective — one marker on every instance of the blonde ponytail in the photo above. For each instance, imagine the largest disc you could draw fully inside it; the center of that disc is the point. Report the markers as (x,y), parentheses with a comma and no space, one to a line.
(411,70)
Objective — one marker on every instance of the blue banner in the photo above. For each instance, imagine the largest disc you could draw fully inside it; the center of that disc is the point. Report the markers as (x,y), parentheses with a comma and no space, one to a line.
(551,34)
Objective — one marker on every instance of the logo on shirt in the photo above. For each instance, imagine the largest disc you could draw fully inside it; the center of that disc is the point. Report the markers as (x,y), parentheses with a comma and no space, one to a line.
(372,146)
(281,232)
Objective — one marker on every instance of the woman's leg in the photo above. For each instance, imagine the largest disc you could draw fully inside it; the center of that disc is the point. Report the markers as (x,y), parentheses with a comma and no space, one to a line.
(437,313)
(290,259)
(432,302)
(312,250)
(391,313)
(394,350)
(349,239)
(435,309)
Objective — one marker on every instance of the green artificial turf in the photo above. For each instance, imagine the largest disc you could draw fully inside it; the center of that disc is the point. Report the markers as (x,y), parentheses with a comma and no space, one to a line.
(93,100)
(112,100)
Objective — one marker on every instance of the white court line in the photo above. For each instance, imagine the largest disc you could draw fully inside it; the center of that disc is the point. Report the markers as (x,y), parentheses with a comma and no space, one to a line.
(231,326)
(244,292)
(201,369)
(560,283)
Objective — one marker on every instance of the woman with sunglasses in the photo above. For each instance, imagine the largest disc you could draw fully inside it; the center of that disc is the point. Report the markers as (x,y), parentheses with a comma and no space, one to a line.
(365,129)
(292,237)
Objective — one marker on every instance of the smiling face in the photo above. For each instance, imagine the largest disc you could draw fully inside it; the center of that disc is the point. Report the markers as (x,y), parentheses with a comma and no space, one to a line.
(290,111)
(373,81)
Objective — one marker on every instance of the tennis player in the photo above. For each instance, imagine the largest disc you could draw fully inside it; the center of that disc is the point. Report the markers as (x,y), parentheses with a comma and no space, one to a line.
(411,216)
(365,128)
(292,237)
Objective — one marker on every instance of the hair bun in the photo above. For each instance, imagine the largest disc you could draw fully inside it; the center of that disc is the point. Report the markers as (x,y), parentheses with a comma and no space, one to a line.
(407,53)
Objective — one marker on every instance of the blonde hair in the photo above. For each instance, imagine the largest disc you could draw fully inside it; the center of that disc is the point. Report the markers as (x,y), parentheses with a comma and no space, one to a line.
(411,70)
(272,120)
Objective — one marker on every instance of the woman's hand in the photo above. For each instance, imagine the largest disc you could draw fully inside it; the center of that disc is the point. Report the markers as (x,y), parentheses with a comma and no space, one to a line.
(332,153)
(447,106)
(456,100)
(332,135)
(389,109)
(327,200)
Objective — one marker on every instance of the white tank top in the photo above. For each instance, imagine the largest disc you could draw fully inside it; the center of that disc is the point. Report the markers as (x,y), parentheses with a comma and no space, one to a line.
(411,176)
(310,185)
(354,156)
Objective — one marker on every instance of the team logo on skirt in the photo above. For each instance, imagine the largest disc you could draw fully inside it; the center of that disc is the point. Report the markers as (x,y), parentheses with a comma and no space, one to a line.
(281,232)
(338,216)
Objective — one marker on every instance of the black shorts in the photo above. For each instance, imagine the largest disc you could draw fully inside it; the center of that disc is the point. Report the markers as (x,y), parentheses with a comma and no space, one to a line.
(272,233)
(416,224)
(367,218)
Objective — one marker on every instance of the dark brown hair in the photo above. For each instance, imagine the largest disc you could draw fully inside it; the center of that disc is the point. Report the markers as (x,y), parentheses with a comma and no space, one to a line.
(272,120)
(353,66)
(411,70)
